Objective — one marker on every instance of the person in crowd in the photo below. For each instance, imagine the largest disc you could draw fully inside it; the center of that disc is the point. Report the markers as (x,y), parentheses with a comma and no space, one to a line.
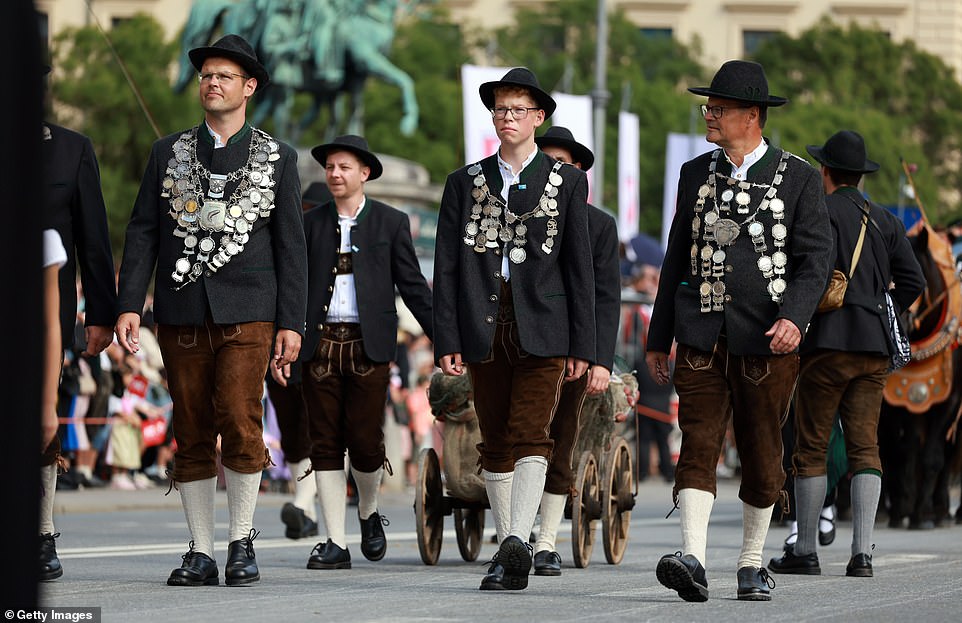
(219,217)
(747,261)
(359,251)
(846,354)
(514,301)
(559,143)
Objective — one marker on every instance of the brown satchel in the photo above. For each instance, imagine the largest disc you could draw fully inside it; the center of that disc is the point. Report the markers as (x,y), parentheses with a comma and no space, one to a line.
(835,292)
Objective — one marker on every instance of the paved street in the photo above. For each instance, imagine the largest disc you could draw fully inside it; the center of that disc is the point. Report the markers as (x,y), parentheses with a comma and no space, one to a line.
(118,547)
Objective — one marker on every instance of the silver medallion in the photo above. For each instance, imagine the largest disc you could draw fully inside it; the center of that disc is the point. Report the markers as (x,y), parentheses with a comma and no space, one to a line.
(779,231)
(554,179)
(706,252)
(551,191)
(727,195)
(520,230)
(474,169)
(777,205)
(471,229)
(718,256)
(703,190)
(711,218)
(212,215)
(479,181)
(207,244)
(779,259)
(182,265)
(764,264)
(726,230)
(756,229)
(255,197)
(743,198)
(778,286)
(506,234)
(241,226)
(190,241)
(517,255)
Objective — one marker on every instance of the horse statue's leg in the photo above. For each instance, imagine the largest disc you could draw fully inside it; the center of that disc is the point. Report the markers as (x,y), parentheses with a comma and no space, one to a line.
(205,15)
(378,65)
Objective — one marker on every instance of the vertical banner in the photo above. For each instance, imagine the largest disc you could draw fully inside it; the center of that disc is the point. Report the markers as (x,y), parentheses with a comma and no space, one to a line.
(480,139)
(629,166)
(680,149)
(575,113)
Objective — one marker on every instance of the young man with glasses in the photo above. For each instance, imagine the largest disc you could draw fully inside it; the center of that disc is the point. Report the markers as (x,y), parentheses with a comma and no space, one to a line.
(219,216)
(514,301)
(747,261)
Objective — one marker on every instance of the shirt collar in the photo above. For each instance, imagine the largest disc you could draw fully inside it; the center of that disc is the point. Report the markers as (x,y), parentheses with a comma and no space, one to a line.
(751,157)
(506,168)
(357,214)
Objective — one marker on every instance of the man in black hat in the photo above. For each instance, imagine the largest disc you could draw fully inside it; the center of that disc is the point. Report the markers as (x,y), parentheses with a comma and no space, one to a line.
(359,251)
(514,300)
(219,216)
(845,358)
(747,262)
(73,205)
(559,143)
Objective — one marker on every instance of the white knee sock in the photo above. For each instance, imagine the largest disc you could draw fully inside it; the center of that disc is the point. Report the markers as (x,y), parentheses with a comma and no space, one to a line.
(48,482)
(197,498)
(695,506)
(498,487)
(526,492)
(368,488)
(332,493)
(305,489)
(552,511)
(755,523)
(242,490)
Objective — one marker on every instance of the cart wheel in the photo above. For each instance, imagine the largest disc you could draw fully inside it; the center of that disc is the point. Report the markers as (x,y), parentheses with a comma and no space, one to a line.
(584,510)
(469,526)
(617,500)
(429,507)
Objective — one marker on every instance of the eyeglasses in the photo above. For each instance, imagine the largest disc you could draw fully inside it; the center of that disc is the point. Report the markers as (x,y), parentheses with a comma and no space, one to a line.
(717,111)
(518,112)
(223,77)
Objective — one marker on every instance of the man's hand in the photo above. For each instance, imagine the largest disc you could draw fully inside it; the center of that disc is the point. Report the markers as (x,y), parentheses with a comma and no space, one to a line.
(98,338)
(598,378)
(785,336)
(128,331)
(451,364)
(658,367)
(287,346)
(281,374)
(575,369)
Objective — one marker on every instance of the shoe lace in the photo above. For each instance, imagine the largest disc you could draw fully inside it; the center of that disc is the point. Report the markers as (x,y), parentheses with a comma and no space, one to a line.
(248,542)
(191,552)
(318,549)
(384,520)
(763,574)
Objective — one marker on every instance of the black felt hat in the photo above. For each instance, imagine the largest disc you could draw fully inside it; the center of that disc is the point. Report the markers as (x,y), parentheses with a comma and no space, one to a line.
(844,151)
(743,81)
(235,48)
(558,136)
(519,77)
(354,144)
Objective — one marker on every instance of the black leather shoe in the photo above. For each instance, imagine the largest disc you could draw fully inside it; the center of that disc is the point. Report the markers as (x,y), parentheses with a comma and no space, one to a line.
(298,524)
(329,556)
(683,574)
(373,541)
(494,579)
(547,563)
(50,568)
(198,569)
(792,563)
(514,556)
(754,584)
(860,566)
(827,537)
(241,565)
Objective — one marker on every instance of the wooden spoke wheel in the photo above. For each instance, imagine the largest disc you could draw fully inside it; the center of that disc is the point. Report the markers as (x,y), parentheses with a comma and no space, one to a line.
(469,526)
(585,510)
(617,500)
(429,506)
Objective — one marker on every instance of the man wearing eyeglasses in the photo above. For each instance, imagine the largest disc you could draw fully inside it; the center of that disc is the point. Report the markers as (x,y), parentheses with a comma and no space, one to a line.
(219,216)
(747,261)
(514,301)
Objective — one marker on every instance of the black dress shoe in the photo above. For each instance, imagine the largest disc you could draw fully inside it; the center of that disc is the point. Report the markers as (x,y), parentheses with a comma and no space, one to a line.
(683,574)
(494,579)
(754,584)
(50,568)
(547,563)
(329,556)
(297,524)
(827,537)
(514,556)
(241,565)
(373,541)
(792,563)
(198,569)
(860,566)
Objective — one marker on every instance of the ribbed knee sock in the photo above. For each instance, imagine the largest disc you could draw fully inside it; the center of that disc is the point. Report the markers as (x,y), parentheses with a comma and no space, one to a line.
(526,492)
(305,489)
(866,489)
(809,497)
(552,511)
(332,493)
(498,487)
(242,490)
(48,480)
(197,498)
(695,506)
(755,522)
(368,488)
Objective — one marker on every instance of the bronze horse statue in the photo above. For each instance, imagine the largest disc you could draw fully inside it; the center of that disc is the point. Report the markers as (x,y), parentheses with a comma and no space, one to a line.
(923,400)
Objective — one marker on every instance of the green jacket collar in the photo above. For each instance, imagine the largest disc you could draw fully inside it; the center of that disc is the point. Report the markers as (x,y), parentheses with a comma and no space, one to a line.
(205,135)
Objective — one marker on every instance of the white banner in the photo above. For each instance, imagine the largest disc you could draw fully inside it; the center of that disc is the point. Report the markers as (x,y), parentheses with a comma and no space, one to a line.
(574,113)
(629,165)
(680,149)
(480,139)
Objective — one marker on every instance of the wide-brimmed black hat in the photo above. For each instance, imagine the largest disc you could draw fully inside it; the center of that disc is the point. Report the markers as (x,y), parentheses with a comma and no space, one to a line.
(354,144)
(844,151)
(519,77)
(558,136)
(235,48)
(743,81)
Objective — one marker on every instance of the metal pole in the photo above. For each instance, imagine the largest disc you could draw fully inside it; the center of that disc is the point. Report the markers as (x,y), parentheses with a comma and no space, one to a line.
(600,98)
